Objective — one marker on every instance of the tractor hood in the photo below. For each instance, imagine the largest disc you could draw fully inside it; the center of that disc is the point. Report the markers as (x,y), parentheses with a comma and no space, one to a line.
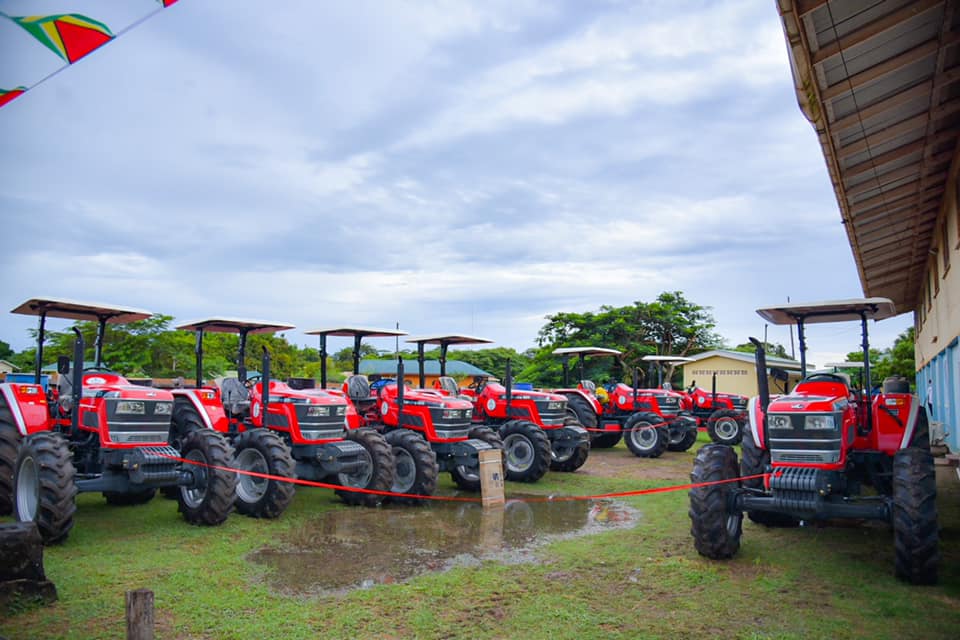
(805,403)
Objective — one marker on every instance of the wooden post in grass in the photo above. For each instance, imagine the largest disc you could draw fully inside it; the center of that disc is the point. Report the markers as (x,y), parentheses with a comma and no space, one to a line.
(491,477)
(140,614)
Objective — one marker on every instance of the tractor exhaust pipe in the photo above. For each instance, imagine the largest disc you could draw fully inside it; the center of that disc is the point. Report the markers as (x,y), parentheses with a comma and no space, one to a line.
(265,384)
(508,379)
(400,390)
(76,376)
(763,386)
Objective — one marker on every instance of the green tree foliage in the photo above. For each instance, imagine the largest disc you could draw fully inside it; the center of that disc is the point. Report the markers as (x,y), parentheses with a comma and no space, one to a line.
(897,360)
(671,325)
(772,348)
(5,351)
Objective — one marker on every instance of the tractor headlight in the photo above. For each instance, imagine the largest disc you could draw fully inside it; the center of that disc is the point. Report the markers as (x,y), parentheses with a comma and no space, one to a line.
(779,422)
(134,407)
(342,410)
(449,414)
(811,423)
(163,409)
(317,411)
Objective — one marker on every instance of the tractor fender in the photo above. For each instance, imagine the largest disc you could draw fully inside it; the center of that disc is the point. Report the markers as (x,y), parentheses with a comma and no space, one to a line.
(202,409)
(911,423)
(28,406)
(591,400)
(755,415)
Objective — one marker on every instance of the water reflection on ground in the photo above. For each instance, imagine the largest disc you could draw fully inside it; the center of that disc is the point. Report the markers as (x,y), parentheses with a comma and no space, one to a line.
(355,548)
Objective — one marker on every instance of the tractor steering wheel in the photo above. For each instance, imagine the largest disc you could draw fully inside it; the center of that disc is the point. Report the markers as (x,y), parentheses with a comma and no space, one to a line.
(251,381)
(830,377)
(100,369)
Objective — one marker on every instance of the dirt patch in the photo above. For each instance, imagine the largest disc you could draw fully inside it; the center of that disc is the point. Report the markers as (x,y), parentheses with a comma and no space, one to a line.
(618,462)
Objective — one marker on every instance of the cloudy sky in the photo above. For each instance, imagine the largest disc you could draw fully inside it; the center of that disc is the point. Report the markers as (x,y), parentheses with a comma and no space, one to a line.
(452,166)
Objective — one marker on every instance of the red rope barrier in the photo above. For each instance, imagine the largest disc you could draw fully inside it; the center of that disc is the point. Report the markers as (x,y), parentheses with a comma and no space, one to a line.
(324,485)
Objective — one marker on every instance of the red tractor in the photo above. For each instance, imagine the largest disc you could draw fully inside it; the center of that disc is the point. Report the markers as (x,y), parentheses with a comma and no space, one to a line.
(724,414)
(820,446)
(536,430)
(651,420)
(428,432)
(279,431)
(98,432)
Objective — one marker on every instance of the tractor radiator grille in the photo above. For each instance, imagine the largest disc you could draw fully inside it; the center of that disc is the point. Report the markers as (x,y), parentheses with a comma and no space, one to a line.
(740,404)
(668,404)
(552,412)
(143,425)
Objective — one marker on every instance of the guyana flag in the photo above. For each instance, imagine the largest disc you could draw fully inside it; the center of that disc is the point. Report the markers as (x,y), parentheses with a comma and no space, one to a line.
(69,35)
(6,95)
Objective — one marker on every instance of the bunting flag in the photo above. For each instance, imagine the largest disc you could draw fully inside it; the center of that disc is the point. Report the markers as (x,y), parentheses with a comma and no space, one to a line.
(70,36)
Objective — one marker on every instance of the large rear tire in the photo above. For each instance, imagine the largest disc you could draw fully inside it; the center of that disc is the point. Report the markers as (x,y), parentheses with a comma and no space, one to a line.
(466,478)
(378,475)
(209,500)
(580,409)
(915,533)
(755,461)
(9,443)
(43,485)
(526,451)
(725,427)
(716,529)
(262,451)
(184,422)
(643,437)
(416,469)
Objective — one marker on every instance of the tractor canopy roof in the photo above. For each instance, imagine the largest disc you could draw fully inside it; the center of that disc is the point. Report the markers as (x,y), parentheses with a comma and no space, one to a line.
(74,310)
(235,325)
(586,351)
(666,359)
(363,332)
(844,365)
(449,339)
(829,311)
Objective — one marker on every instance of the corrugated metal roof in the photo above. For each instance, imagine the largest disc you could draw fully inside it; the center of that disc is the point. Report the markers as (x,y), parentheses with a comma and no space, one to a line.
(878,79)
(455,368)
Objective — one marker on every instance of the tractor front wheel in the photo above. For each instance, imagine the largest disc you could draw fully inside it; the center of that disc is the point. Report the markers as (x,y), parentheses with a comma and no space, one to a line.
(645,436)
(754,462)
(915,535)
(725,427)
(209,499)
(185,421)
(43,488)
(416,470)
(682,439)
(467,478)
(716,528)
(526,451)
(263,452)
(574,458)
(9,443)
(377,474)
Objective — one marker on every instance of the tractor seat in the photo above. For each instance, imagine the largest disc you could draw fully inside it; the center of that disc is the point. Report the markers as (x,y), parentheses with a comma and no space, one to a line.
(65,391)
(449,385)
(358,388)
(589,387)
(236,396)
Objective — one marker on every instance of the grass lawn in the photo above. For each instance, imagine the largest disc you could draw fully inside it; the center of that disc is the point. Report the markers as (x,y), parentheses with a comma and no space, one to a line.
(643,582)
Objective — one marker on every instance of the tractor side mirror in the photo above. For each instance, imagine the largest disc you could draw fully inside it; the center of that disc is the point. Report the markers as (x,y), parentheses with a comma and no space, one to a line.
(63,365)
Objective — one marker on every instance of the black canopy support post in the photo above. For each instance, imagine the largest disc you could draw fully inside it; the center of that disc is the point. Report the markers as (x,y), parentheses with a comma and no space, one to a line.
(265,384)
(98,344)
(41,337)
(323,361)
(400,390)
(801,338)
(443,358)
(508,378)
(581,367)
(198,356)
(763,385)
(659,376)
(357,339)
(566,369)
(242,356)
(713,387)
(422,364)
(76,376)
(866,372)
(636,384)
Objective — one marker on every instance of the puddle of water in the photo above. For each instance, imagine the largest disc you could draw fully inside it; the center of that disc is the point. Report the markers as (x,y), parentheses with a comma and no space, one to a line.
(358,548)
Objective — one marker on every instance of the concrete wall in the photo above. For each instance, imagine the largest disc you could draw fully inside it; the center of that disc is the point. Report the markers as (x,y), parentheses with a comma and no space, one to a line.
(733,376)
(937,319)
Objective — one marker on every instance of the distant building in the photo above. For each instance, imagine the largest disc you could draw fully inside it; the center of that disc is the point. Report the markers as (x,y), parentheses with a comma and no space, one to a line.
(461,371)
(7,367)
(736,372)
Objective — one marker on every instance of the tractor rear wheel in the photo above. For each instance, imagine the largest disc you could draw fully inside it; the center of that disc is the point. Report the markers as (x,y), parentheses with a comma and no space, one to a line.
(416,470)
(185,421)
(526,450)
(716,529)
(921,434)
(127,499)
(573,458)
(465,477)
(262,451)
(44,490)
(580,409)
(9,442)
(755,461)
(915,535)
(643,437)
(209,499)
(378,474)
(725,427)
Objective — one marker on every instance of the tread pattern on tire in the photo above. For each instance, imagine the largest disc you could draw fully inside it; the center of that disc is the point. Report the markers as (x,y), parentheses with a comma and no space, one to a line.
(58,492)
(712,426)
(646,420)
(709,517)
(221,485)
(915,529)
(9,443)
(491,437)
(541,450)
(425,463)
(579,456)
